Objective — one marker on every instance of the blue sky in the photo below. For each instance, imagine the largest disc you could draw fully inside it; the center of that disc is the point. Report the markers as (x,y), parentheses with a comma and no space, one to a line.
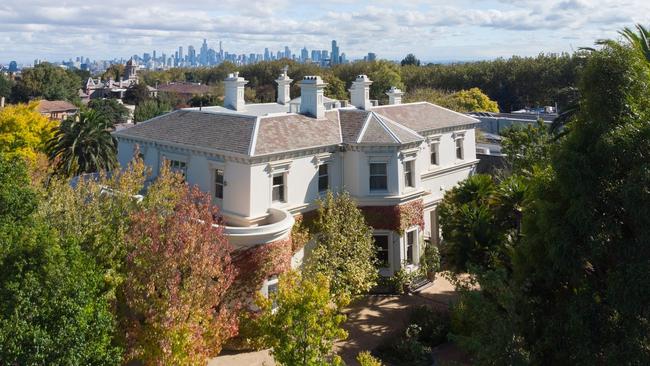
(433,30)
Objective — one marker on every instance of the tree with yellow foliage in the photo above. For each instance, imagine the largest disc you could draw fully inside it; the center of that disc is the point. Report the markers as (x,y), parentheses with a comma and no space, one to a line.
(24,131)
(463,101)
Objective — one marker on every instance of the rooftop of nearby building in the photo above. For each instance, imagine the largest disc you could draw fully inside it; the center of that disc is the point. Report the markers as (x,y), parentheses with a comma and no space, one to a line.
(184,88)
(289,125)
(54,106)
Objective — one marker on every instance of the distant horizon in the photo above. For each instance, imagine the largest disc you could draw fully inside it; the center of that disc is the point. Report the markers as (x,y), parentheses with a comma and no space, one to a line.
(435,30)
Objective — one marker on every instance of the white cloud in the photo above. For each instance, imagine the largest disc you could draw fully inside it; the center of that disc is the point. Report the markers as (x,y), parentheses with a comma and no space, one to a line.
(432,29)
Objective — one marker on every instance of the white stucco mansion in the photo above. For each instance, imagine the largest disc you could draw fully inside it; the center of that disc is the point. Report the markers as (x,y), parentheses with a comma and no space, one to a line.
(266,163)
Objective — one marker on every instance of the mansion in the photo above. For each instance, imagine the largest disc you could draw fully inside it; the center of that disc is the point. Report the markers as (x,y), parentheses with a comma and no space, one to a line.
(267,164)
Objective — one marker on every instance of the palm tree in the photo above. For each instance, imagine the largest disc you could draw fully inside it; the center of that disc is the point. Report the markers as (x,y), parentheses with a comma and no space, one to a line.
(83,144)
(639,41)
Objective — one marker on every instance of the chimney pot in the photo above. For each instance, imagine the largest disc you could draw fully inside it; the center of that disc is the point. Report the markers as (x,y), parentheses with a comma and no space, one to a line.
(234,92)
(394,95)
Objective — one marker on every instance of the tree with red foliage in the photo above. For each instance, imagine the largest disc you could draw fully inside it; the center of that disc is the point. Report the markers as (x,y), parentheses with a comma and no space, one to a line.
(180,272)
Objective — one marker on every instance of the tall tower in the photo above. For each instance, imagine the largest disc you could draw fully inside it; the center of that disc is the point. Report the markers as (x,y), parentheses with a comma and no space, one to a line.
(335,53)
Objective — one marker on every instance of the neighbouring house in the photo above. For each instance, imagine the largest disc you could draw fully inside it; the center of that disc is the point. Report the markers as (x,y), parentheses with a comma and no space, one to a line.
(57,109)
(115,89)
(184,91)
(267,164)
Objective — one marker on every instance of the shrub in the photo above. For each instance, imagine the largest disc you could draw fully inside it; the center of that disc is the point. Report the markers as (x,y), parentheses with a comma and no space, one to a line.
(434,325)
(366,359)
(405,349)
(430,261)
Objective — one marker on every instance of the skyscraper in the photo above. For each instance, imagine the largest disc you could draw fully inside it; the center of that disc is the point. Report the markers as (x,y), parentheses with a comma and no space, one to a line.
(287,52)
(203,56)
(267,54)
(335,53)
(304,54)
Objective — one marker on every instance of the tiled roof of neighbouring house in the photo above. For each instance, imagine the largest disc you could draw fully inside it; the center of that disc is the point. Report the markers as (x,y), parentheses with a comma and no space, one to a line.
(184,88)
(51,106)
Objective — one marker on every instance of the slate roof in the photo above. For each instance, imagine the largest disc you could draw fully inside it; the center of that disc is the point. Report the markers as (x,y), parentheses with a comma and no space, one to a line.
(225,132)
(296,131)
(423,116)
(255,135)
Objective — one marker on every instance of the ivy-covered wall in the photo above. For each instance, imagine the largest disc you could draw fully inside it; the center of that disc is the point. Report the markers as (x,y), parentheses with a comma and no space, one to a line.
(396,218)
(258,263)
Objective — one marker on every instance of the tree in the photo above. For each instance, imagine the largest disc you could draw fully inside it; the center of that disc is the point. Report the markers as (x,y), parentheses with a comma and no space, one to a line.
(301,321)
(527,147)
(115,72)
(150,109)
(585,256)
(52,309)
(639,40)
(114,111)
(410,59)
(5,86)
(137,94)
(463,101)
(384,75)
(180,270)
(48,82)
(24,132)
(578,272)
(344,250)
(83,144)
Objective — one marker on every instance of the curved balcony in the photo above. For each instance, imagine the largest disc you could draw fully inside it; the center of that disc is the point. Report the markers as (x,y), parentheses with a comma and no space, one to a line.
(275,226)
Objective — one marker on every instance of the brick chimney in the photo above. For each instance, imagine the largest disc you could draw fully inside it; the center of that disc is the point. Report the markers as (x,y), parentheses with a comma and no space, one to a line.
(311,96)
(284,84)
(394,95)
(360,92)
(234,92)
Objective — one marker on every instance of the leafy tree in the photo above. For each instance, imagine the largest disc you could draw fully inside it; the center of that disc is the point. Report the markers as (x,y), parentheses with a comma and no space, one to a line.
(5,86)
(83,144)
(366,359)
(137,94)
(24,131)
(578,272)
(114,111)
(384,75)
(115,72)
(410,59)
(48,82)
(639,40)
(150,109)
(585,256)
(302,321)
(180,270)
(527,147)
(52,311)
(204,100)
(344,251)
(472,100)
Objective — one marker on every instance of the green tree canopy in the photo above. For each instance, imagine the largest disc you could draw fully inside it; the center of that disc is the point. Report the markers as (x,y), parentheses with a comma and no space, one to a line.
(344,251)
(149,109)
(463,101)
(52,309)
(46,81)
(301,321)
(410,59)
(114,111)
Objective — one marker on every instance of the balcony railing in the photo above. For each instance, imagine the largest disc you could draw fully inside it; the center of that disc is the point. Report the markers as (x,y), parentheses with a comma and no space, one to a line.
(275,226)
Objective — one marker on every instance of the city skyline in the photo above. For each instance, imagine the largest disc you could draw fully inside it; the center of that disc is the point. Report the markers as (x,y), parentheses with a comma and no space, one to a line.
(433,30)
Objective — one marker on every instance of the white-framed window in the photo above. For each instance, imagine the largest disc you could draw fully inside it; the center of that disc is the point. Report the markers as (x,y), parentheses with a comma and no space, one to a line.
(218,183)
(278,188)
(178,166)
(382,249)
(409,177)
(459,149)
(411,240)
(435,154)
(323,178)
(378,177)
